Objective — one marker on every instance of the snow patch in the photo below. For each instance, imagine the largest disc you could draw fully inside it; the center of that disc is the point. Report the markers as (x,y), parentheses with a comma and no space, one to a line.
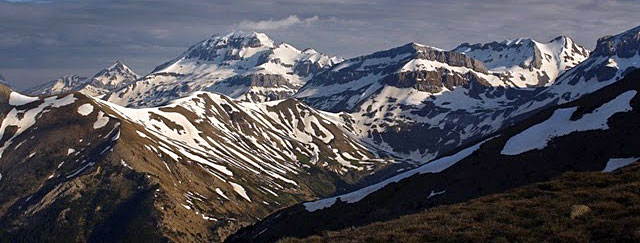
(85,109)
(614,164)
(221,193)
(240,190)
(101,121)
(17,99)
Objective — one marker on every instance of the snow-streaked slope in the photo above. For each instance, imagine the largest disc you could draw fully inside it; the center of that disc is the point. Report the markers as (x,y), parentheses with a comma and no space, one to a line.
(243,65)
(525,62)
(415,101)
(222,133)
(617,163)
(210,158)
(614,57)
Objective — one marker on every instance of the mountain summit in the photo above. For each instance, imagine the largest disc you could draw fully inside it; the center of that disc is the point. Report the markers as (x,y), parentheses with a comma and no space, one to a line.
(110,78)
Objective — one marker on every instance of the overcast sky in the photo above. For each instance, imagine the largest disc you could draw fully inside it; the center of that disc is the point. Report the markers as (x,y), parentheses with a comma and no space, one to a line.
(43,39)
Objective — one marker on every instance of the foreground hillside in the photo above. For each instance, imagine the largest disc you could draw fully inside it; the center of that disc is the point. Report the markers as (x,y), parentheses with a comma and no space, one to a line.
(549,210)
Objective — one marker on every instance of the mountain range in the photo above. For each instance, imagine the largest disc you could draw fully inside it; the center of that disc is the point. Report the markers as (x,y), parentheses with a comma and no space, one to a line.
(239,130)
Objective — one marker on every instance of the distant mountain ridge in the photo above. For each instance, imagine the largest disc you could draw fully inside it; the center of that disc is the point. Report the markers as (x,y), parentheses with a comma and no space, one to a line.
(103,82)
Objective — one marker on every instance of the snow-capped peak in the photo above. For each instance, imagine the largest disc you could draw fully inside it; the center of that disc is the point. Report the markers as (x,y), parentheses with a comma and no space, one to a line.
(614,57)
(108,79)
(118,65)
(115,74)
(251,39)
(419,46)
(230,46)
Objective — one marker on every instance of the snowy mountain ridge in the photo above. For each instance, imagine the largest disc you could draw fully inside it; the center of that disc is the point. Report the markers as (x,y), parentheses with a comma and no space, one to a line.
(243,65)
(525,62)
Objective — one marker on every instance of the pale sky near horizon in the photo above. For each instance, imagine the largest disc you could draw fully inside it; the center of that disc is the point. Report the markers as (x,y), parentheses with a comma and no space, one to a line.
(44,39)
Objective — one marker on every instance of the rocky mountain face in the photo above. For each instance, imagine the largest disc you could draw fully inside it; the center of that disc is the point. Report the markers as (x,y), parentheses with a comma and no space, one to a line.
(241,65)
(597,132)
(194,170)
(105,81)
(423,68)
(402,98)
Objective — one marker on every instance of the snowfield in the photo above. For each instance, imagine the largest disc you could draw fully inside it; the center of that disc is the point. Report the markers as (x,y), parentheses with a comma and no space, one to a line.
(616,163)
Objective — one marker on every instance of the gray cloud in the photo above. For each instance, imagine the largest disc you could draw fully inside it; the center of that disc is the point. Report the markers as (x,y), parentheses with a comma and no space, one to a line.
(40,41)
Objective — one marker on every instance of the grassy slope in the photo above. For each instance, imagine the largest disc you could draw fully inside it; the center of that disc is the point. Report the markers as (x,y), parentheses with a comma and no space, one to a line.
(534,213)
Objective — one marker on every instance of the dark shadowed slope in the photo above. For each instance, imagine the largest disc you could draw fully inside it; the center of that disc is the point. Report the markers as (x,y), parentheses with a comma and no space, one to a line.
(575,207)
